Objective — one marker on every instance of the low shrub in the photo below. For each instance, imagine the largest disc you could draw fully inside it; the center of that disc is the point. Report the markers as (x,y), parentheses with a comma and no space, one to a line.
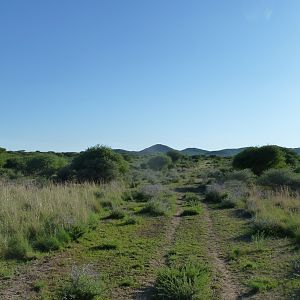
(245,175)
(47,243)
(277,178)
(191,211)
(191,198)
(17,248)
(131,220)
(155,208)
(82,285)
(159,207)
(189,282)
(215,196)
(117,213)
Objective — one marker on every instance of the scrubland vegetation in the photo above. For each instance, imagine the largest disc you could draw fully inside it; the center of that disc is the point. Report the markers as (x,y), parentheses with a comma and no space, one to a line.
(101,225)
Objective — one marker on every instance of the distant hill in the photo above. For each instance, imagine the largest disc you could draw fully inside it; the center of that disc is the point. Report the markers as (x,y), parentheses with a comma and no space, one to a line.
(162,149)
(158,148)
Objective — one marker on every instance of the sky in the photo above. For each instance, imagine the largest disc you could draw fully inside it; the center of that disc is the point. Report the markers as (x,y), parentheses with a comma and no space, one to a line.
(128,74)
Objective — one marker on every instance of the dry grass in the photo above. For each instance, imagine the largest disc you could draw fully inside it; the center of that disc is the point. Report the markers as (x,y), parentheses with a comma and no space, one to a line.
(28,211)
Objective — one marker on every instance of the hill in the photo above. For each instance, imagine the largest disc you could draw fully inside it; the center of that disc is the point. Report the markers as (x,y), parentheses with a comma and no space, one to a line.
(158,148)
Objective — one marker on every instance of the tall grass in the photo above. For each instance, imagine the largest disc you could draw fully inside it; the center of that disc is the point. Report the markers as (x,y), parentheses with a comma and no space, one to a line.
(43,218)
(275,212)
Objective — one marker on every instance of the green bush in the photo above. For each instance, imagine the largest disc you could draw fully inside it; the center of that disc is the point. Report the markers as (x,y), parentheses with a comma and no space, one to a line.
(264,158)
(189,282)
(159,162)
(98,164)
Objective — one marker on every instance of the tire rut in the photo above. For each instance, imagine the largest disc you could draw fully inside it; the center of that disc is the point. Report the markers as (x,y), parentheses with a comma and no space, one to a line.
(160,259)
(228,288)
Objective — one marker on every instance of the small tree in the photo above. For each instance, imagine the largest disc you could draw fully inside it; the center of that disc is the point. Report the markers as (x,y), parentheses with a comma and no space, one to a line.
(98,163)
(159,162)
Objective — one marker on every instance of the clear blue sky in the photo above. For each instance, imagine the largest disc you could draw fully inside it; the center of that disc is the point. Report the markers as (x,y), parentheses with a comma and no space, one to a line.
(210,74)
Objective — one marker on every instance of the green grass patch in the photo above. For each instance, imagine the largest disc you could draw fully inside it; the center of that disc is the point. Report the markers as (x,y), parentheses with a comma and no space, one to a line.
(259,284)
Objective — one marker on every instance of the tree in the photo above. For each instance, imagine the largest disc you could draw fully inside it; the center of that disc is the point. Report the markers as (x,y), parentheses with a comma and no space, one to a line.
(159,162)
(97,164)
(263,158)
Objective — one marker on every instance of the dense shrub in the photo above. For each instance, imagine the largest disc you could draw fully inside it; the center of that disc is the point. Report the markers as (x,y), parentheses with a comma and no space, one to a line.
(98,164)
(159,162)
(264,158)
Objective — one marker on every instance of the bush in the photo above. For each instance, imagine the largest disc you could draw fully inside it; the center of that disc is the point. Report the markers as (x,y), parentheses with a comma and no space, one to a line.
(99,164)
(214,196)
(160,162)
(283,177)
(189,282)
(264,158)
(82,286)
